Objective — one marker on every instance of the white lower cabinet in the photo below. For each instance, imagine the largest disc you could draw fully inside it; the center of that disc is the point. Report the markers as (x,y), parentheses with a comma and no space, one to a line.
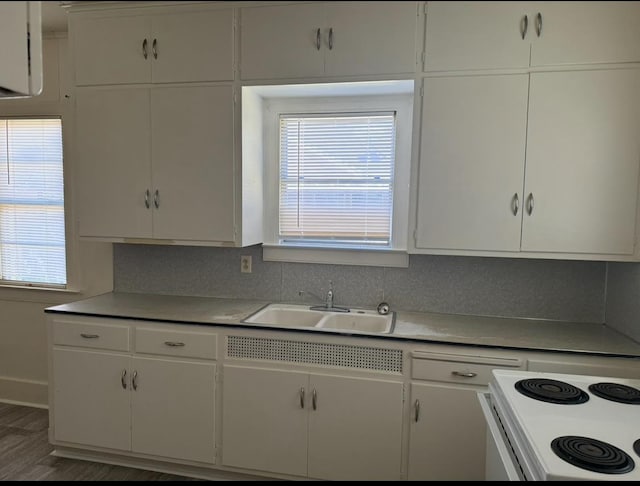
(313,425)
(447,433)
(91,405)
(160,407)
(148,391)
(126,402)
(172,409)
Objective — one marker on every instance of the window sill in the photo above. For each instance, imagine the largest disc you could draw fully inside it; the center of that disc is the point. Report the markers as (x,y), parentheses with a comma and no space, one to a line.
(45,295)
(336,256)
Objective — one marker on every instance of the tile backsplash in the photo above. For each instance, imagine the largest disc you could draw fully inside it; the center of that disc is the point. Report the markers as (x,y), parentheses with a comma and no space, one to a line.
(623,298)
(508,287)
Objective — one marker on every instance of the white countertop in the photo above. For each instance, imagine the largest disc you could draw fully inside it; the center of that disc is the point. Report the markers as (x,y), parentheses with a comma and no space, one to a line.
(531,334)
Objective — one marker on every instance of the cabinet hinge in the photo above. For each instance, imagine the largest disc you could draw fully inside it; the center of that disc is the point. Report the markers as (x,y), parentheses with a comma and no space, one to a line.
(425,8)
(415,237)
(423,56)
(404,392)
(421,91)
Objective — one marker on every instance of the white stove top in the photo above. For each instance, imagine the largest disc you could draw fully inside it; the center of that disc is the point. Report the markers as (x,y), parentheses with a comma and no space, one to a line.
(536,423)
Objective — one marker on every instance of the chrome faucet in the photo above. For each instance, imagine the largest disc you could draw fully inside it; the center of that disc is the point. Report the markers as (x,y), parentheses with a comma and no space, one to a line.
(329,298)
(328,301)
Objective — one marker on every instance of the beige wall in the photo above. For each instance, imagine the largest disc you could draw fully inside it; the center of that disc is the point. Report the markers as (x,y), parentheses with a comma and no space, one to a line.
(23,337)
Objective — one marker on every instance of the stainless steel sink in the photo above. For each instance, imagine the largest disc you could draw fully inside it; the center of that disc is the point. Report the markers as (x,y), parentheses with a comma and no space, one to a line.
(301,316)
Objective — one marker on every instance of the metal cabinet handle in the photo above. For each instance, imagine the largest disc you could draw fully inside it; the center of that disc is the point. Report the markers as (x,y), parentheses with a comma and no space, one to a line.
(515,204)
(146,199)
(123,379)
(144,48)
(463,374)
(154,46)
(302,397)
(89,336)
(539,24)
(530,203)
(134,380)
(525,26)
(156,199)
(174,344)
(318,39)
(417,408)
(314,399)
(331,38)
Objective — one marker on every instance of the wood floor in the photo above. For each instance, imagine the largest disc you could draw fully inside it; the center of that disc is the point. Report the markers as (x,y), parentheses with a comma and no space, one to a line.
(25,448)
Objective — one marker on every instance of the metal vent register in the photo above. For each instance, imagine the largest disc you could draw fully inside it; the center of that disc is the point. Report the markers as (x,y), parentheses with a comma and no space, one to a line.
(347,356)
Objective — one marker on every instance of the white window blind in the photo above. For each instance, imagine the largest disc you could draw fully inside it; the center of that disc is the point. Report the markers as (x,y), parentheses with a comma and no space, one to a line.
(336,179)
(32,237)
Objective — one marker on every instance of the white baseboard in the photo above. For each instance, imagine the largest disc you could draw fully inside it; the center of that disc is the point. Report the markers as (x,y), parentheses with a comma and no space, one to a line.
(30,393)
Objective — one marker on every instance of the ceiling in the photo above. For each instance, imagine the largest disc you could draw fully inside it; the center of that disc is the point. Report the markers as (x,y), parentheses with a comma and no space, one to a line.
(54,17)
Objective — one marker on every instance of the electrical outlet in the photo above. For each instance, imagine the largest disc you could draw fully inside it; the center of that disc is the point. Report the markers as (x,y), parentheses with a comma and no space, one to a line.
(245,264)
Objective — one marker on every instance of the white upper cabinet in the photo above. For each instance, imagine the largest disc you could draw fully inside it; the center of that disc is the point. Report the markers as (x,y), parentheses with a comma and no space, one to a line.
(114,162)
(111,50)
(515,35)
(472,162)
(580,171)
(477,35)
(163,48)
(582,162)
(281,41)
(192,46)
(585,33)
(327,39)
(192,153)
(156,163)
(379,38)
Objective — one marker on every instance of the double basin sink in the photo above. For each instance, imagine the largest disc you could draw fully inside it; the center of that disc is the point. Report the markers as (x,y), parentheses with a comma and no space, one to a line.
(302,317)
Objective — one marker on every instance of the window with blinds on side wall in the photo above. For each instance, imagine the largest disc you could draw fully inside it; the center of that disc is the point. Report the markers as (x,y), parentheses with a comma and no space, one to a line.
(32,230)
(337,179)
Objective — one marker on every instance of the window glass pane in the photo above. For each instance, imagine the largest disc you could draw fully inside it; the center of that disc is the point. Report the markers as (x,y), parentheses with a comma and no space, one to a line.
(32,237)
(336,179)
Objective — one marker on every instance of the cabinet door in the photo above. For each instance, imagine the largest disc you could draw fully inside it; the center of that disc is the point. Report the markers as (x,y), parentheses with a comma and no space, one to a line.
(472,163)
(264,420)
(586,33)
(477,35)
(91,405)
(114,162)
(192,46)
(281,41)
(355,429)
(173,409)
(370,38)
(447,441)
(112,50)
(582,162)
(192,147)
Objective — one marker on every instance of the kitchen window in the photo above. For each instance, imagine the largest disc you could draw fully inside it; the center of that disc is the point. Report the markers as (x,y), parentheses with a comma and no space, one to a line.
(32,227)
(337,179)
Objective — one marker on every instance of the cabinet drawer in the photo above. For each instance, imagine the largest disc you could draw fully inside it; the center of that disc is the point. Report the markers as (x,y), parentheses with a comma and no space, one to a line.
(459,369)
(186,344)
(90,335)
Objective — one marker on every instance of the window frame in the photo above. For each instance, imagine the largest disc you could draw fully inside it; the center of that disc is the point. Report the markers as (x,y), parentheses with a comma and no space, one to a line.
(395,255)
(45,285)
